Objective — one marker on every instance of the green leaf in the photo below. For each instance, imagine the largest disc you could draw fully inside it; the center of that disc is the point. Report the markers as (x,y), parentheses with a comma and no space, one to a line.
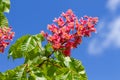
(77,66)
(18,73)
(67,61)
(3,20)
(48,49)
(70,68)
(51,71)
(28,46)
(36,73)
(34,77)
(4,5)
(15,50)
(59,56)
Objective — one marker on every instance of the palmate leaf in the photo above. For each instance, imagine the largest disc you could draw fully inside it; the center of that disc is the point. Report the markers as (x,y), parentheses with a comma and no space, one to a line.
(54,71)
(73,70)
(28,46)
(64,68)
(3,20)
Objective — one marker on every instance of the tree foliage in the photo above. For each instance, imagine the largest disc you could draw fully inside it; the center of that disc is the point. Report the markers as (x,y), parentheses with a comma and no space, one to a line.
(41,62)
(51,61)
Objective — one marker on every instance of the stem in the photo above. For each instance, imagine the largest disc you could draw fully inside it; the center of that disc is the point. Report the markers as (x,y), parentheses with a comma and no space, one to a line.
(39,46)
(45,60)
(55,65)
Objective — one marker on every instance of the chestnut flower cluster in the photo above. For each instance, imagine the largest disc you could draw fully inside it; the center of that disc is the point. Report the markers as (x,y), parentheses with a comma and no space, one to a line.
(5,36)
(68,31)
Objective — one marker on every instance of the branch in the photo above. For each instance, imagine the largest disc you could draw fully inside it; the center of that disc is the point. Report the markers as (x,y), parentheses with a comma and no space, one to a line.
(45,60)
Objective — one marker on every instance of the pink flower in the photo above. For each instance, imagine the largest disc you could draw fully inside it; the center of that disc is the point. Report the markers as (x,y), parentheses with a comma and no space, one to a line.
(5,36)
(68,32)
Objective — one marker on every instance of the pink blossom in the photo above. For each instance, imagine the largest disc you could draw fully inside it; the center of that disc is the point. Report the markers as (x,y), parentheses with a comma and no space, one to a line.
(5,36)
(68,32)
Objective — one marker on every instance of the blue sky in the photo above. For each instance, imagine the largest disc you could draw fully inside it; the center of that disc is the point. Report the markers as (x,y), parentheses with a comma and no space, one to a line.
(100,54)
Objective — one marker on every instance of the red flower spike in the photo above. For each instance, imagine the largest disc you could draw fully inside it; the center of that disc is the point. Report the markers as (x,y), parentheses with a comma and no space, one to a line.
(5,36)
(68,32)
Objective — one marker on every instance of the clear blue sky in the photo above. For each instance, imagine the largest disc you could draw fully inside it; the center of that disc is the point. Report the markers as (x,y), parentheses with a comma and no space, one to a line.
(100,54)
